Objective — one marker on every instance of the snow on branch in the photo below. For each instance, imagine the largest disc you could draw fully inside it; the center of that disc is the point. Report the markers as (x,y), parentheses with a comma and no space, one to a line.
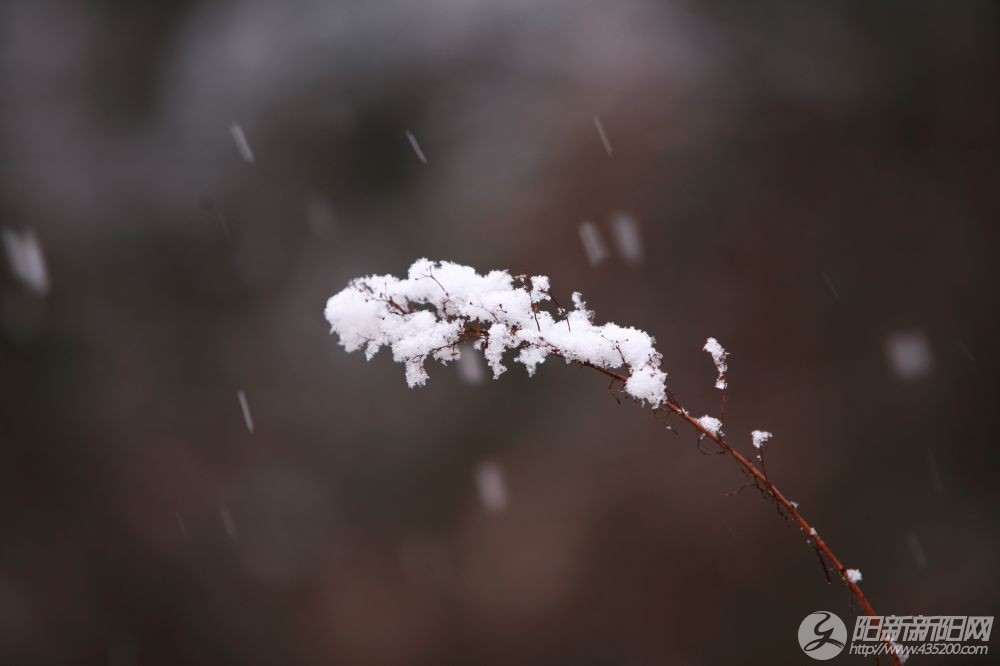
(760,438)
(442,304)
(711,425)
(719,355)
(439,306)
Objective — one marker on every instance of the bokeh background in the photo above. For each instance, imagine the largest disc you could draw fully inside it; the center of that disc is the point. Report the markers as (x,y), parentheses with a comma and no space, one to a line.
(813,184)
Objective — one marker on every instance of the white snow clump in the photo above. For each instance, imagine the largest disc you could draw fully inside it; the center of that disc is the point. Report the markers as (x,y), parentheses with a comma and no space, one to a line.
(711,425)
(441,304)
(719,355)
(760,437)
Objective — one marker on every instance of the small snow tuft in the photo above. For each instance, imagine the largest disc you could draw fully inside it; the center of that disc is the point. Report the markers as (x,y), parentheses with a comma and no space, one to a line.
(711,425)
(539,288)
(719,355)
(853,575)
(648,385)
(760,438)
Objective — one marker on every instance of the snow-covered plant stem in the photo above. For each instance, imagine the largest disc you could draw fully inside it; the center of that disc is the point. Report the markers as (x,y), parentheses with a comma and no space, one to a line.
(441,305)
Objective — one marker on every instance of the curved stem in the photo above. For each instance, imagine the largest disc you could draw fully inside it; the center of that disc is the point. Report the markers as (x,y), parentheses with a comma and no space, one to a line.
(763,481)
(760,479)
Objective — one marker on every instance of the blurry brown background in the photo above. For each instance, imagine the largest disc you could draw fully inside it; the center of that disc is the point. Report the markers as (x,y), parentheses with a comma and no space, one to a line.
(815,185)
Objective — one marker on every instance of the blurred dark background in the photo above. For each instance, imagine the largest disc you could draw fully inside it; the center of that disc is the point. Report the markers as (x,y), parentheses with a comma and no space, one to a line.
(813,184)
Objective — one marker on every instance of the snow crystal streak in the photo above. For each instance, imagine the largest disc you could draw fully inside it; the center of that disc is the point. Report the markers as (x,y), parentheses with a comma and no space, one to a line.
(245,406)
(227,522)
(27,263)
(593,244)
(604,137)
(627,238)
(917,549)
(242,145)
(416,146)
(830,286)
(492,487)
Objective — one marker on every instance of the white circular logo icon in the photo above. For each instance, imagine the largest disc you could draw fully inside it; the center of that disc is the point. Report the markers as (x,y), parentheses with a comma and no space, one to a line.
(822,635)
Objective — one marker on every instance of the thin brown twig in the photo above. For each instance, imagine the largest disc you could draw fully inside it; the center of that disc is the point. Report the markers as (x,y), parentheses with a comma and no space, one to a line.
(759,478)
